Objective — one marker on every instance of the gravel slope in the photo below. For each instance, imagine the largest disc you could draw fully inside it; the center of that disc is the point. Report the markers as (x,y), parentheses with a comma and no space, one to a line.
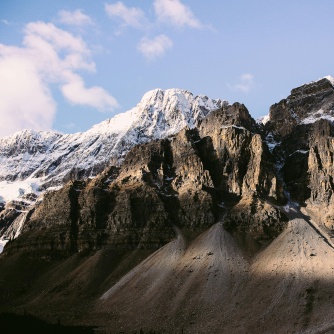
(209,286)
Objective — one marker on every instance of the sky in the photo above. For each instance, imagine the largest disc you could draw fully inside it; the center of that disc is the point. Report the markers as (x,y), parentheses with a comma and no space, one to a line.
(66,65)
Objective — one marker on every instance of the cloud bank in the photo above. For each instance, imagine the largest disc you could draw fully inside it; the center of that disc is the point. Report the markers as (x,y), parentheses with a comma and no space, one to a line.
(245,85)
(75,18)
(172,13)
(25,101)
(156,47)
(48,56)
(175,13)
(129,16)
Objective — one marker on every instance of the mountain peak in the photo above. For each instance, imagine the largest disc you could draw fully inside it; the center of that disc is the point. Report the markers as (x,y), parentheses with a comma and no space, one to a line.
(29,133)
(158,93)
(159,113)
(306,104)
(330,79)
(174,98)
(50,158)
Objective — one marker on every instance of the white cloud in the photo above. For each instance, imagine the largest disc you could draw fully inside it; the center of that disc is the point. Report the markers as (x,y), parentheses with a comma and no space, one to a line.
(245,84)
(174,12)
(57,38)
(5,22)
(49,55)
(76,92)
(25,101)
(153,48)
(130,16)
(75,18)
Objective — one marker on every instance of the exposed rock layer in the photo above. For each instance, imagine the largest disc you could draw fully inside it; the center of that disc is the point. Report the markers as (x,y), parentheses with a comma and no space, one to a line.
(186,181)
(302,125)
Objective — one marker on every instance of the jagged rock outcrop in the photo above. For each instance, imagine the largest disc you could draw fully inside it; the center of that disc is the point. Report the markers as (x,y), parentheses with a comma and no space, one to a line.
(321,173)
(33,162)
(219,168)
(302,128)
(187,181)
(303,106)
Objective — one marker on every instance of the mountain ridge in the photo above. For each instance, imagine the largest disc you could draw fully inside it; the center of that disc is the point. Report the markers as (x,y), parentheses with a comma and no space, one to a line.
(224,226)
(85,154)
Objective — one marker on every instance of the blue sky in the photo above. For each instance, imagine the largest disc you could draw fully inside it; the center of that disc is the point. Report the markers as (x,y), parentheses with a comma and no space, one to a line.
(67,65)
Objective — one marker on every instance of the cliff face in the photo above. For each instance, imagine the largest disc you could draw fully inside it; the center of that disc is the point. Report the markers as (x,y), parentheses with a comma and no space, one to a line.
(188,181)
(321,173)
(304,105)
(34,162)
(302,128)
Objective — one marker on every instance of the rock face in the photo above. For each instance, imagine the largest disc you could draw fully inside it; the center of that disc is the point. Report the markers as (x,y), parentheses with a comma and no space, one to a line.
(321,172)
(33,162)
(305,105)
(187,181)
(302,128)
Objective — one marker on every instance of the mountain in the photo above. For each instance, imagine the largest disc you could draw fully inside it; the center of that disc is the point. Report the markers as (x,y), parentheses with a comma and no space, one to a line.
(224,226)
(32,162)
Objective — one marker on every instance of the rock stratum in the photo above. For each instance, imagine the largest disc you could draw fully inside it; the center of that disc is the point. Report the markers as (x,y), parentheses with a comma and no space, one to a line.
(204,222)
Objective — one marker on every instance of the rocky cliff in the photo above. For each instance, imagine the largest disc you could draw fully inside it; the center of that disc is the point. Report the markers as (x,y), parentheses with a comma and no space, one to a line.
(187,181)
(300,131)
(33,162)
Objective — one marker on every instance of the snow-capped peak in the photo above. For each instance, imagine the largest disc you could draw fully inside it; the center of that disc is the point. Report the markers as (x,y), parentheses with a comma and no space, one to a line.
(31,135)
(50,158)
(157,106)
(329,78)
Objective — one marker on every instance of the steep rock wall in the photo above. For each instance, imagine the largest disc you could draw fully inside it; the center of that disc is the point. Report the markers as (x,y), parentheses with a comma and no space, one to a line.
(188,181)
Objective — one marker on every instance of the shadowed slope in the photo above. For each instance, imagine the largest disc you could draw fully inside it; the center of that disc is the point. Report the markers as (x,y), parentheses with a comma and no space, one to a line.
(291,284)
(210,287)
(178,286)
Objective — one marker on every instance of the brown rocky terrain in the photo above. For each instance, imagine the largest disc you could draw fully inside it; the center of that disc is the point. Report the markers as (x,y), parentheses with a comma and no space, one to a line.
(303,126)
(222,228)
(186,181)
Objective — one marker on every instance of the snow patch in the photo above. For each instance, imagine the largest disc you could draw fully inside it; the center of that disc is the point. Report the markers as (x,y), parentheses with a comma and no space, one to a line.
(318,115)
(2,244)
(299,151)
(329,78)
(233,126)
(22,219)
(222,205)
(272,145)
(263,119)
(270,141)
(15,190)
